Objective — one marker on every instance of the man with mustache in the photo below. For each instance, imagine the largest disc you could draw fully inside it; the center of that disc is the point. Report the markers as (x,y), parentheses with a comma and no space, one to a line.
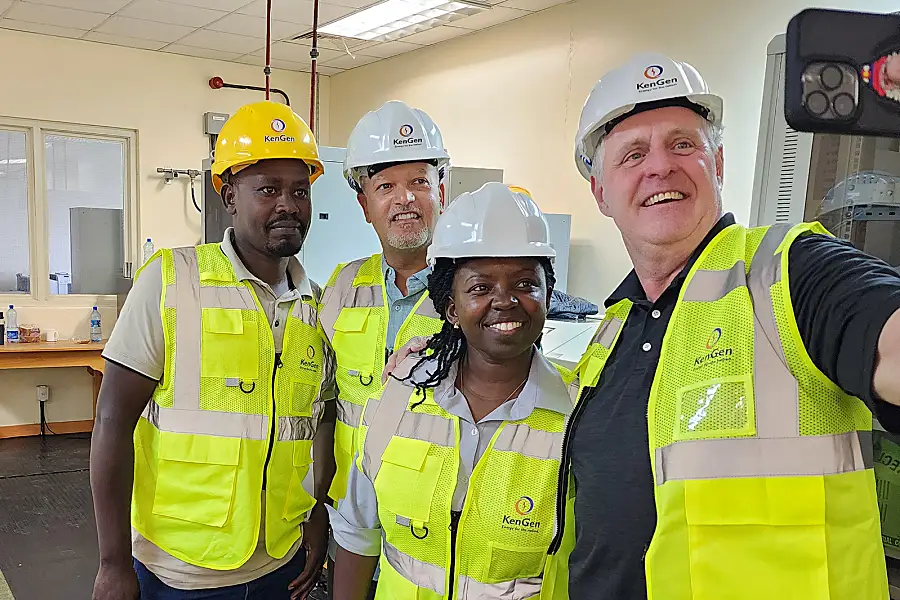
(218,372)
(395,162)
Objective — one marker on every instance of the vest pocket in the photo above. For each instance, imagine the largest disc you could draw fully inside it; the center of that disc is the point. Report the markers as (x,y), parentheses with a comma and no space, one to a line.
(408,478)
(767,533)
(507,563)
(196,477)
(716,408)
(355,340)
(230,347)
(299,500)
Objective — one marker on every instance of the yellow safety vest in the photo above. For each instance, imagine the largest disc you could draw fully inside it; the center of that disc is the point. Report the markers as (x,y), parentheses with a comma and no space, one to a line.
(224,416)
(762,466)
(354,316)
(497,546)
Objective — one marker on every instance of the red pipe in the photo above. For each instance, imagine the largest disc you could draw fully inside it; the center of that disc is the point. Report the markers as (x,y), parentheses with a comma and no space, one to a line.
(314,55)
(268,69)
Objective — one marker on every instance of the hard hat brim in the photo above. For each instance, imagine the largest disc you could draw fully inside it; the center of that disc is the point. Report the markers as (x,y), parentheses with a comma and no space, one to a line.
(316,168)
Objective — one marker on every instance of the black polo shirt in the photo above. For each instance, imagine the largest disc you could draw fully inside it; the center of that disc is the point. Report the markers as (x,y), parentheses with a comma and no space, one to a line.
(842,298)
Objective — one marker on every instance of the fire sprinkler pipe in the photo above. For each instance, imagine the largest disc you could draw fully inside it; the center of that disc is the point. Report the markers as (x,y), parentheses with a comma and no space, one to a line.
(268,69)
(314,55)
(217,83)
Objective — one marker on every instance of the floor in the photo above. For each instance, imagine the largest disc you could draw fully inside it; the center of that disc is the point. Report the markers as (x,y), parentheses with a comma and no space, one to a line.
(48,539)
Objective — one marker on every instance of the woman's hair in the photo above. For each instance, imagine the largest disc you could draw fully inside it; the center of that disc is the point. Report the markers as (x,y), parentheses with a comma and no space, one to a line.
(449,344)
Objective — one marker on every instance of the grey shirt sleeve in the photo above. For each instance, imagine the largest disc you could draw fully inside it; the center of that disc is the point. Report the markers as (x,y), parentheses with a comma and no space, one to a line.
(355,521)
(137,341)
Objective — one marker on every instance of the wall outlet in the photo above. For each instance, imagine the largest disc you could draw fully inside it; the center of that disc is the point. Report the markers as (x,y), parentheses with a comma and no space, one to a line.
(43,393)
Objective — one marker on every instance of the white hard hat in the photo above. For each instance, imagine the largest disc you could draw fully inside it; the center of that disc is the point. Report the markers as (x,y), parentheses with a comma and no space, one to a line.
(394,133)
(493,221)
(645,81)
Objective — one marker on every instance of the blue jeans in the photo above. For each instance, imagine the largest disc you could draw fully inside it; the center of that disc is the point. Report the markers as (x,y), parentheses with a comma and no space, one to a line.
(273,586)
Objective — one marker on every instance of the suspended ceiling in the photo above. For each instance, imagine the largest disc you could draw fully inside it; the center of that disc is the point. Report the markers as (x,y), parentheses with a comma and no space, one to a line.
(235,30)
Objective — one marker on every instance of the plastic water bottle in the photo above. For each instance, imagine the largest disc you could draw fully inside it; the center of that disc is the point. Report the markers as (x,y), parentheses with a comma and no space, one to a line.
(148,250)
(12,326)
(96,334)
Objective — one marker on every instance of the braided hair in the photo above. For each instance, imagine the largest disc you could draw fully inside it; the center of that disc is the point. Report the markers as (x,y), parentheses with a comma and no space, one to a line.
(449,344)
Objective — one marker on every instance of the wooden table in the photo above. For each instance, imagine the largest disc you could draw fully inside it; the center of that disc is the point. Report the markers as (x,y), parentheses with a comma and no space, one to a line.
(46,355)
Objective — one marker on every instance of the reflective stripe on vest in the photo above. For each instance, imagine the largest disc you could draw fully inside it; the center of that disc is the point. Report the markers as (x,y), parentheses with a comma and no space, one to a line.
(428,451)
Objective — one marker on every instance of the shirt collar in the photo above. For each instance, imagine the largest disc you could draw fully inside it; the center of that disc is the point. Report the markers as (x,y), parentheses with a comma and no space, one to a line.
(631,287)
(543,389)
(414,284)
(295,269)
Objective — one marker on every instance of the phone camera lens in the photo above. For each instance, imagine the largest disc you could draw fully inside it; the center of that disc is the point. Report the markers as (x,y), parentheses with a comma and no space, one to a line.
(817,103)
(844,104)
(831,77)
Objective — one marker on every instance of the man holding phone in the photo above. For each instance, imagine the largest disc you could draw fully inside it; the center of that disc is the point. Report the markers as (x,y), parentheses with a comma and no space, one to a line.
(748,361)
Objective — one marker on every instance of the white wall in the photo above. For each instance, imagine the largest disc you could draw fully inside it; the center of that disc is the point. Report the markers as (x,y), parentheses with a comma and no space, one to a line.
(510,97)
(163,98)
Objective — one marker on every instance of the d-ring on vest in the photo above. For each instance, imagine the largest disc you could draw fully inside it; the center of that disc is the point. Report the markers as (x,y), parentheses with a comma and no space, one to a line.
(762,466)
(201,445)
(354,316)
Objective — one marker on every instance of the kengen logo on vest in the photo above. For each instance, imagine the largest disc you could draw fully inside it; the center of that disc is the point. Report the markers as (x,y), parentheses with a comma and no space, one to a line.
(523,507)
(309,365)
(715,354)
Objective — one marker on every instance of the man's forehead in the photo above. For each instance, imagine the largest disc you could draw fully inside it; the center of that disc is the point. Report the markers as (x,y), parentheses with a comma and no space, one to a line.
(403,170)
(662,122)
(283,168)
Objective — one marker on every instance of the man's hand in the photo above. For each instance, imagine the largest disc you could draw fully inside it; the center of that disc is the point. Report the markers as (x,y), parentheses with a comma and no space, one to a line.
(417,344)
(116,582)
(315,540)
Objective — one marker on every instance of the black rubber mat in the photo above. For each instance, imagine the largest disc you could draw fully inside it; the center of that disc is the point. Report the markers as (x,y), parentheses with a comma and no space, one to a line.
(48,539)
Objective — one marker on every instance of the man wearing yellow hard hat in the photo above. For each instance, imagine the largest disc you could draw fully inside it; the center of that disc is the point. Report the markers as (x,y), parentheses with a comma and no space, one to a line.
(217,381)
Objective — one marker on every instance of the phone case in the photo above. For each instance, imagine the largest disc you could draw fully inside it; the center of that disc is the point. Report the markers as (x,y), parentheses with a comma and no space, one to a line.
(865,41)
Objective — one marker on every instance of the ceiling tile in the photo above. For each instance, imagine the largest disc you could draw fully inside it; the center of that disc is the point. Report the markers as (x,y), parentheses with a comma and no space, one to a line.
(387,49)
(324,70)
(256,27)
(490,17)
(532,4)
(54,15)
(351,62)
(121,40)
(107,7)
(217,40)
(171,12)
(340,44)
(200,52)
(226,5)
(299,52)
(41,28)
(438,34)
(297,11)
(354,3)
(290,65)
(4,4)
(145,30)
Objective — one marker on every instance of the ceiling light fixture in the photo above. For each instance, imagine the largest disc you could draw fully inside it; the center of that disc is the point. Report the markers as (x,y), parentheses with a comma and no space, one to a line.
(394,19)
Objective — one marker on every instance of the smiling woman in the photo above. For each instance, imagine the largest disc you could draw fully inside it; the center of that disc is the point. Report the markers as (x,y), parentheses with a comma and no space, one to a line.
(482,395)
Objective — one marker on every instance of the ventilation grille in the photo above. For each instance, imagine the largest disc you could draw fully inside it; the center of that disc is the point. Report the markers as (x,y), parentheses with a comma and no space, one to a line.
(786,177)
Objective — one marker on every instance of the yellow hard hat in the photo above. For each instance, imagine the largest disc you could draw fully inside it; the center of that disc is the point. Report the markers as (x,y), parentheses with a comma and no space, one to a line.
(264,130)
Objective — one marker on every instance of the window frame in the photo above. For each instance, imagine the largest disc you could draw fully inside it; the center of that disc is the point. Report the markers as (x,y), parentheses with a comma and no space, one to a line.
(39,217)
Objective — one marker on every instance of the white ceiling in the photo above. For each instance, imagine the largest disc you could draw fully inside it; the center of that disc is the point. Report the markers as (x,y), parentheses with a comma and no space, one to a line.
(235,30)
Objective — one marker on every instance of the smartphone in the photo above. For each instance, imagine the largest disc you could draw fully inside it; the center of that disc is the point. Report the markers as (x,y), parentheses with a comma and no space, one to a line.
(835,81)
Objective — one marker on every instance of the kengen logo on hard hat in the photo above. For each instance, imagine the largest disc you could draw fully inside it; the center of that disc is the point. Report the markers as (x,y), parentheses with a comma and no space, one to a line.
(404,141)
(278,125)
(654,74)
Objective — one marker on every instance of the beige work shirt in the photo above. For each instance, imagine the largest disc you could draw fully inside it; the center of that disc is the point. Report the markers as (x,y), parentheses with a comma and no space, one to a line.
(137,343)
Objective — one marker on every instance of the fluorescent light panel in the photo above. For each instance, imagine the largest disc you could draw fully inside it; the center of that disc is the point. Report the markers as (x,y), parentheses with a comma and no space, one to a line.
(394,19)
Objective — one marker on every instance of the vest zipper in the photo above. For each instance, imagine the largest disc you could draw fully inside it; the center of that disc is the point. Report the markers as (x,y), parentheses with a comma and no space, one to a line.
(454,524)
(564,468)
(278,364)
